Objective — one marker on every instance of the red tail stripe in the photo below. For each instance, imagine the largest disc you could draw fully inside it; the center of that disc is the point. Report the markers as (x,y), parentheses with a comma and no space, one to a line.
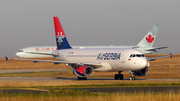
(58,27)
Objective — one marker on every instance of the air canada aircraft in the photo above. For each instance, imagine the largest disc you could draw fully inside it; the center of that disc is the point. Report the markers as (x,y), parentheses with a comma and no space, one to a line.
(87,60)
(145,46)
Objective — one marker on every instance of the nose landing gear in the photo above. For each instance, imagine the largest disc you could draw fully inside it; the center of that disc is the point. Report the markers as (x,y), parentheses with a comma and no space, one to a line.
(132,76)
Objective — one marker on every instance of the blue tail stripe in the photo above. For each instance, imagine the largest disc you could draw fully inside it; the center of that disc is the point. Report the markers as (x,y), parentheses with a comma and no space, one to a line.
(63,44)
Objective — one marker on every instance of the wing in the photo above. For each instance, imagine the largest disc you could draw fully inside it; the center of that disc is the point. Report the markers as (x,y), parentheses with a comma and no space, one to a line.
(43,53)
(157,48)
(94,65)
(152,59)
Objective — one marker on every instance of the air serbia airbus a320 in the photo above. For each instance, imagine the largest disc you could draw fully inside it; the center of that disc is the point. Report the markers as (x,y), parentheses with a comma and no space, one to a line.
(86,61)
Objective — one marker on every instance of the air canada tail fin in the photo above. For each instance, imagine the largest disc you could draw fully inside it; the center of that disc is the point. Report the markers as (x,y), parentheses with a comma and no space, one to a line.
(149,38)
(61,40)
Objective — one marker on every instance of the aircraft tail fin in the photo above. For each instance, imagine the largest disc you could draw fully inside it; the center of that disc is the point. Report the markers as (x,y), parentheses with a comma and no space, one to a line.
(61,40)
(149,38)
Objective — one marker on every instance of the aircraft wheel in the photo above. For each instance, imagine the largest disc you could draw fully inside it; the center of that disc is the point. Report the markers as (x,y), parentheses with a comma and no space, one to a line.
(79,78)
(132,78)
(84,78)
(116,76)
(121,77)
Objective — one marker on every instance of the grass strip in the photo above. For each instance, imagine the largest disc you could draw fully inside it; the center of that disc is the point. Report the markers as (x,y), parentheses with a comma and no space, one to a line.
(104,85)
(142,96)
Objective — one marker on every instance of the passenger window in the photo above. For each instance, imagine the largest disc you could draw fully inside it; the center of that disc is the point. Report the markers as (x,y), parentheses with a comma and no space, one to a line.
(138,55)
(142,55)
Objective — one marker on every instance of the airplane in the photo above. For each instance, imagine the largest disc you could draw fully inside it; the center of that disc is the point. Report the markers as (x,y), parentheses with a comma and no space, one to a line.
(86,61)
(145,46)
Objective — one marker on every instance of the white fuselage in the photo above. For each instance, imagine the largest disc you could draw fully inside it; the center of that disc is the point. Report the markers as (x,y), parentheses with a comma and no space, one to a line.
(110,59)
(48,49)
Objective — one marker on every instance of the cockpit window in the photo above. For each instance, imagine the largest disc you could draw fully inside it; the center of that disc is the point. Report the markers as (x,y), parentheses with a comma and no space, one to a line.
(137,55)
(134,55)
(20,51)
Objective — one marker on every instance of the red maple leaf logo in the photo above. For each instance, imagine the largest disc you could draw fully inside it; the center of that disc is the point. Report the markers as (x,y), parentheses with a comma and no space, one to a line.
(149,39)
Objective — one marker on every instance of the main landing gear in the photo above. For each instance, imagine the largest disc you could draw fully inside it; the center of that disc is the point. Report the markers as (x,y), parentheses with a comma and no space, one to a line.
(82,78)
(132,76)
(118,76)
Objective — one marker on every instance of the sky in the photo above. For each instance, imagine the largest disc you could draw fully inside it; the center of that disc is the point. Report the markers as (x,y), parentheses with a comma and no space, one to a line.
(25,23)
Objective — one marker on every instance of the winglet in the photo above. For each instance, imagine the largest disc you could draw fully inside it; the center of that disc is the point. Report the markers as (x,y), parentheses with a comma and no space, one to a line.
(171,55)
(6,58)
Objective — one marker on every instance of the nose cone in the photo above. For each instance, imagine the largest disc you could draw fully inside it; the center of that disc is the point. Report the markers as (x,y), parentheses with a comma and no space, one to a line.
(143,63)
(139,63)
(18,54)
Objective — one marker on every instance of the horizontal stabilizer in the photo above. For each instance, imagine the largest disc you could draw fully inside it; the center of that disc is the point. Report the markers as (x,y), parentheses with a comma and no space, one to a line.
(152,59)
(157,48)
(6,58)
(135,47)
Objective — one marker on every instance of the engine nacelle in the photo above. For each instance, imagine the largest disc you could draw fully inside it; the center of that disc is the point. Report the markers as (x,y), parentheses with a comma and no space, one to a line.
(141,72)
(83,71)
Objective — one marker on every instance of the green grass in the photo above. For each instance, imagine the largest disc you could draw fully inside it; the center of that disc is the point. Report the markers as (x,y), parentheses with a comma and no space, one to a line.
(99,85)
(116,85)
(74,91)
(104,85)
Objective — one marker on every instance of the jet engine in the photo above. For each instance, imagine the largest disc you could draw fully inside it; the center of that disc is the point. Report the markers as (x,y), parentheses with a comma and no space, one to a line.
(83,71)
(141,72)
